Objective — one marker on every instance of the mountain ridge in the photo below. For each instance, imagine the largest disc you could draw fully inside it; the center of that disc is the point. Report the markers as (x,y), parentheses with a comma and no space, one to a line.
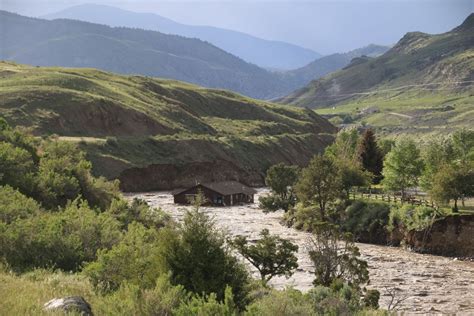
(268,54)
(424,84)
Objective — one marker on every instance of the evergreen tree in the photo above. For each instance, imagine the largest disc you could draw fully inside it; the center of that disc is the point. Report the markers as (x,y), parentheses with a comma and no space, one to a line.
(370,155)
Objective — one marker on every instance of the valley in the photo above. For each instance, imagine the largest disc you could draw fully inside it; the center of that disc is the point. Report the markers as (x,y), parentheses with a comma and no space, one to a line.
(426,283)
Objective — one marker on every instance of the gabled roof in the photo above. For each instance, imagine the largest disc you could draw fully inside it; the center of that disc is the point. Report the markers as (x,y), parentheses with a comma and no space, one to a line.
(224,188)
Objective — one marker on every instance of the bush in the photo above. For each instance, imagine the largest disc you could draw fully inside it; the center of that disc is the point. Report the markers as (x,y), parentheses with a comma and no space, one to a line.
(200,260)
(135,260)
(286,302)
(367,221)
(63,240)
(209,306)
(16,167)
(15,205)
(130,299)
(138,211)
(411,217)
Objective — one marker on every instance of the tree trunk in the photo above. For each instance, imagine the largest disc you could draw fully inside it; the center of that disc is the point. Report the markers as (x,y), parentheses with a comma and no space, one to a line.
(455,208)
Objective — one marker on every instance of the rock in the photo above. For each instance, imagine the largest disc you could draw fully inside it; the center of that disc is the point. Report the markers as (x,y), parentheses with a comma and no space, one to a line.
(69,304)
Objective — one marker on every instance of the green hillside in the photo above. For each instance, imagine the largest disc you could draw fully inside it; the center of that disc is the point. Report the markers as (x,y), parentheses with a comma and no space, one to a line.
(424,84)
(153,130)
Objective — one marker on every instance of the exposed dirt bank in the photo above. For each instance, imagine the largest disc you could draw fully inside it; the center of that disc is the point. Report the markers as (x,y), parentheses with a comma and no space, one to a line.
(431,284)
(451,236)
(166,176)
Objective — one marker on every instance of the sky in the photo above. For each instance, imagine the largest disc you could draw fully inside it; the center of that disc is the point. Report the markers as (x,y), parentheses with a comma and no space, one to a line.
(326,26)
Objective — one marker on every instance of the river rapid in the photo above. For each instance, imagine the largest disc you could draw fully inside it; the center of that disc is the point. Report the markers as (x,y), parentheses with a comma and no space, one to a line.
(425,284)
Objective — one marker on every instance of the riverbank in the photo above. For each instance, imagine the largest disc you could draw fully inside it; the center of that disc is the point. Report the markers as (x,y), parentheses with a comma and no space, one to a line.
(426,283)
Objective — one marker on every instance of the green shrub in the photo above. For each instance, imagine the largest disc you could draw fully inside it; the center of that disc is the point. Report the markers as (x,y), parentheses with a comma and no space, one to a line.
(367,221)
(135,260)
(64,240)
(209,306)
(16,167)
(200,260)
(130,299)
(286,302)
(15,205)
(410,217)
(138,211)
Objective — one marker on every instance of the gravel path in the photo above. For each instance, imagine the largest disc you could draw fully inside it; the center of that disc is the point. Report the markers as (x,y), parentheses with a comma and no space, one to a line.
(428,284)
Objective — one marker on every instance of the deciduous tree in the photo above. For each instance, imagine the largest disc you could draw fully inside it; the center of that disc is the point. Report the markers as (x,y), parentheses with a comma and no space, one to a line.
(270,255)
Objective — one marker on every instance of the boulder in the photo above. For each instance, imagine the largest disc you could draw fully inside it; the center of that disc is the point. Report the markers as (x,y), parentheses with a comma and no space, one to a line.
(69,304)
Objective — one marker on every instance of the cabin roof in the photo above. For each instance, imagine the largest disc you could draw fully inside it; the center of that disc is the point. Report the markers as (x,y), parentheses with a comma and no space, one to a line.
(223,187)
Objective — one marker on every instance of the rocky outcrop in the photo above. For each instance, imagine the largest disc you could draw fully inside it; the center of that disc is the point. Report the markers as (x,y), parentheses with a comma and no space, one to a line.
(71,304)
(451,236)
(157,177)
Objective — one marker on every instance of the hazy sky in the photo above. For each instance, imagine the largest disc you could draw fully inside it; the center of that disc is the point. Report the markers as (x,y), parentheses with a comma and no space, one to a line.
(326,26)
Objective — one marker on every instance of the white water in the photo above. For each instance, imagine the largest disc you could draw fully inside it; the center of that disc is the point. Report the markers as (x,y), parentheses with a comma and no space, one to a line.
(430,284)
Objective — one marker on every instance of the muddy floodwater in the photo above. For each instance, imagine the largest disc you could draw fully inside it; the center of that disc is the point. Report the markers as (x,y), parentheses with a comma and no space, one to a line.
(427,284)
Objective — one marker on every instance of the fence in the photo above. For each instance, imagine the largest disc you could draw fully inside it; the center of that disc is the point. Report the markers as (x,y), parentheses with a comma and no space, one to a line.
(394,199)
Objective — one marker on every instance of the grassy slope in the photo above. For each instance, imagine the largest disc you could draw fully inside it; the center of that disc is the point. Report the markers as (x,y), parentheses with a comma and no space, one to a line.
(422,85)
(155,121)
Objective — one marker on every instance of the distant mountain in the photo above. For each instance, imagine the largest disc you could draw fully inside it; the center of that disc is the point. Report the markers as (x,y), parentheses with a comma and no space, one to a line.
(156,134)
(327,64)
(423,82)
(264,53)
(131,51)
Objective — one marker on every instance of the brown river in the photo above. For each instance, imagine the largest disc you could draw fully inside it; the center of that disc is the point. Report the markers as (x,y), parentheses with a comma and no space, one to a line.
(424,284)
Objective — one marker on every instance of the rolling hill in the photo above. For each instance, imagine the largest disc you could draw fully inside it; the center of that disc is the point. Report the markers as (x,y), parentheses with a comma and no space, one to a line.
(264,53)
(158,134)
(131,51)
(423,84)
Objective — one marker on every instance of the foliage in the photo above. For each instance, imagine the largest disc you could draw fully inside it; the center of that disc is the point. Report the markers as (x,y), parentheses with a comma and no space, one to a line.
(271,255)
(15,206)
(402,167)
(344,146)
(318,184)
(412,217)
(335,257)
(63,240)
(135,260)
(367,221)
(199,259)
(16,167)
(282,303)
(451,183)
(209,306)
(281,180)
(138,211)
(64,174)
(370,155)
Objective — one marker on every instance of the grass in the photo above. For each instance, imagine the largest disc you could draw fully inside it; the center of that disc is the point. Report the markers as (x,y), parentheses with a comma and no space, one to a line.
(133,121)
(26,294)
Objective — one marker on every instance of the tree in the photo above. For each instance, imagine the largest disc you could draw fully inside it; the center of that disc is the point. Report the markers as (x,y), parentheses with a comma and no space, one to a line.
(370,155)
(335,257)
(463,147)
(402,167)
(345,145)
(451,183)
(200,260)
(436,154)
(352,175)
(281,180)
(319,184)
(270,255)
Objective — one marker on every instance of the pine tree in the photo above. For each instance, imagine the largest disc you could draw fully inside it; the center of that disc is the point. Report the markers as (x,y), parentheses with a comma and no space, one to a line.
(370,155)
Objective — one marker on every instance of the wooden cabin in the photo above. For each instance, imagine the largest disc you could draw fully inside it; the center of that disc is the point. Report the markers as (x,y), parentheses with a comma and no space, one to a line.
(225,193)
